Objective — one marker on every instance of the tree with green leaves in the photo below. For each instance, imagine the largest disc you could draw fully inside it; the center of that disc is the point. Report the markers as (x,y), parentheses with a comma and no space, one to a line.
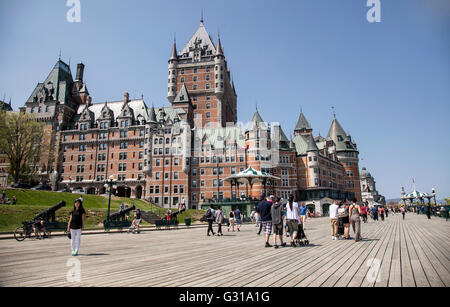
(21,138)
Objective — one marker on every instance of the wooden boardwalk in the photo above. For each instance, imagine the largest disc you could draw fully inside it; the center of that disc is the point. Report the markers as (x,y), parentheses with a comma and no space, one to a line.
(410,253)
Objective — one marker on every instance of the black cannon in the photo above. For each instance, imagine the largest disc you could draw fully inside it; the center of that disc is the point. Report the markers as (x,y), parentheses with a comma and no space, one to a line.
(48,217)
(117,219)
(49,214)
(116,216)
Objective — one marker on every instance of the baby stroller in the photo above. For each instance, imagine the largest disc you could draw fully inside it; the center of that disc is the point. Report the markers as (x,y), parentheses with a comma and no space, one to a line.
(301,239)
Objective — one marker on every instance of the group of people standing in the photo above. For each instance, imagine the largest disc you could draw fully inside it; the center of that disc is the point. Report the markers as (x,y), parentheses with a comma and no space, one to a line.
(342,214)
(275,215)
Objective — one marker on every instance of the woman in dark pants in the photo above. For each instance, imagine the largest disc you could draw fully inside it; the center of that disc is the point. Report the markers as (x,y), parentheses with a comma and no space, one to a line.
(220,218)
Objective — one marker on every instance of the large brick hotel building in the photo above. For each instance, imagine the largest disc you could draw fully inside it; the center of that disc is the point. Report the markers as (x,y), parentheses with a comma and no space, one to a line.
(187,149)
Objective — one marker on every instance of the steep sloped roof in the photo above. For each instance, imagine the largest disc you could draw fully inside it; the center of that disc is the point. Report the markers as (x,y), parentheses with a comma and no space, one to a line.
(202,37)
(182,96)
(302,123)
(340,137)
(301,144)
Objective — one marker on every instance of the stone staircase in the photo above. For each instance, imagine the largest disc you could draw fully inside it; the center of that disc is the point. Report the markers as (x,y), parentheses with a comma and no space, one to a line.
(150,217)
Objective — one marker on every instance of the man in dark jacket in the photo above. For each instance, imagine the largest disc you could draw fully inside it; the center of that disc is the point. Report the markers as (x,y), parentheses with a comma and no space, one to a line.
(277,213)
(263,210)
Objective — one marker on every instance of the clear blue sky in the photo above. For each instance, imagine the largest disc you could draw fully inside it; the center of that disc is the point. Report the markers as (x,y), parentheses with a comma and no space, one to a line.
(389,81)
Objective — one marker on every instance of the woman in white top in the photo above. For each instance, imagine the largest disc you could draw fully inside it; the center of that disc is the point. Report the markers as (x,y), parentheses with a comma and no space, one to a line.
(292,218)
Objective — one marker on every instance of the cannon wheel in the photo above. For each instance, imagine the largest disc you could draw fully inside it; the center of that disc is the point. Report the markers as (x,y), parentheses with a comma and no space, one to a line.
(19,234)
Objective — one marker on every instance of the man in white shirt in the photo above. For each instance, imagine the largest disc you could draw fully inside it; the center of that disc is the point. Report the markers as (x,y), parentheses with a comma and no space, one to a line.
(334,219)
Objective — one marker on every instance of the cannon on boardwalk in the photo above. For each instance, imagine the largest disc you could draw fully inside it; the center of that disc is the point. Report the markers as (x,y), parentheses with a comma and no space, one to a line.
(49,214)
(118,220)
(50,223)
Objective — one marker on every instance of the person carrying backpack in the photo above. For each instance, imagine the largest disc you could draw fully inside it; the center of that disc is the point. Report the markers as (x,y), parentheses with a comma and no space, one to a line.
(210,218)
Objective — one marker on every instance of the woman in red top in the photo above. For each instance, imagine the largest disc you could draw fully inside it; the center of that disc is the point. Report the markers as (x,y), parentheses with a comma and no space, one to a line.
(364,213)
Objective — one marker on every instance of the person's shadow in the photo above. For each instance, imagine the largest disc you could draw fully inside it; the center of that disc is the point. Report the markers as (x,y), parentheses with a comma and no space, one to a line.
(93,254)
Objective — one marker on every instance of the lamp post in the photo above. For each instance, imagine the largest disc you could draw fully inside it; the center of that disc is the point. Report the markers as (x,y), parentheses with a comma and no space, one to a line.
(109,183)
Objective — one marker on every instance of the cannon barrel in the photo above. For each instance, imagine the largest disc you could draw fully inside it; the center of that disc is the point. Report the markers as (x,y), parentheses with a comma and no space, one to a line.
(49,213)
(117,215)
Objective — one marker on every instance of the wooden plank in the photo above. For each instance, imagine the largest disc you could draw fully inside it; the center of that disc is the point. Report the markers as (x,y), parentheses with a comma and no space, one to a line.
(432,276)
(407,276)
(420,279)
(395,273)
(188,258)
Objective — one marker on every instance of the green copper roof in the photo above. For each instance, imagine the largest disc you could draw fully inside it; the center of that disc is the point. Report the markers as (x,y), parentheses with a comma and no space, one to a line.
(58,81)
(152,115)
(312,146)
(256,117)
(339,137)
(301,144)
(182,96)
(302,123)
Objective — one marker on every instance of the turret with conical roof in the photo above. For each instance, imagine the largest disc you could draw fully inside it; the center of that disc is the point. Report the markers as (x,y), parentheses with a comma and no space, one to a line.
(340,137)
(173,71)
(347,154)
(303,127)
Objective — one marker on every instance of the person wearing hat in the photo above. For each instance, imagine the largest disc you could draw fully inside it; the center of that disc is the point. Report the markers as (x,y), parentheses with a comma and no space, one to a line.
(76,225)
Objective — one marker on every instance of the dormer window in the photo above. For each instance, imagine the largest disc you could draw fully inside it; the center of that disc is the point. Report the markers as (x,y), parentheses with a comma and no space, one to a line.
(125,113)
(104,114)
(84,116)
(340,139)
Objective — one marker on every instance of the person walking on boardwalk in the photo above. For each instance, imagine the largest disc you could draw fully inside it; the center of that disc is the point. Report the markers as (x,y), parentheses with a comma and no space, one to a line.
(292,218)
(210,218)
(264,208)
(375,213)
(238,216)
(381,212)
(76,225)
(231,221)
(303,210)
(261,199)
(364,212)
(354,213)
(220,218)
(428,211)
(345,220)
(403,212)
(276,212)
(334,218)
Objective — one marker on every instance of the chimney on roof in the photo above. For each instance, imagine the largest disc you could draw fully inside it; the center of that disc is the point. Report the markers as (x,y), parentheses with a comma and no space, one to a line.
(126,98)
(80,72)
